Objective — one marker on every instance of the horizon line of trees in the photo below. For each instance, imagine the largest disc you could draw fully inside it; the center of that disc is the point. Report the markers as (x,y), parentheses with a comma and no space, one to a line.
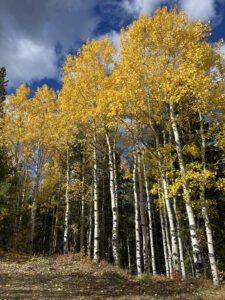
(126,161)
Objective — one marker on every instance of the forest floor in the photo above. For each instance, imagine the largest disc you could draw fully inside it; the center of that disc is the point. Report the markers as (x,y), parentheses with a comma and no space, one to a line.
(77,277)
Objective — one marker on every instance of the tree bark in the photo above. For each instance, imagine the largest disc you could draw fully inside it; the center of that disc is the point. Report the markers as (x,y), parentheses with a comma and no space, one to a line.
(170,258)
(66,217)
(96,204)
(34,204)
(23,194)
(137,222)
(143,218)
(114,206)
(55,229)
(165,250)
(181,252)
(150,220)
(89,240)
(205,215)
(175,257)
(191,218)
(82,202)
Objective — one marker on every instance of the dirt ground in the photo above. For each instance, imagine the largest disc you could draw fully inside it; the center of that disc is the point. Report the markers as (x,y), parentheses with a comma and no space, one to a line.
(77,277)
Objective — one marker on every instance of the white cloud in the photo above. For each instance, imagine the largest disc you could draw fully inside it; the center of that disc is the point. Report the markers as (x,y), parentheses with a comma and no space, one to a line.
(26,60)
(136,7)
(200,9)
(30,32)
(196,9)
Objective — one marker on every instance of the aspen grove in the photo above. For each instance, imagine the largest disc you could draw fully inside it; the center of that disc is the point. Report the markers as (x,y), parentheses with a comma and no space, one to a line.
(126,162)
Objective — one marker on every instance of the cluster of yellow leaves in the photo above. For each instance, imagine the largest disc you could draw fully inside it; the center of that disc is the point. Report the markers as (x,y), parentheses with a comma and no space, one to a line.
(163,59)
(192,149)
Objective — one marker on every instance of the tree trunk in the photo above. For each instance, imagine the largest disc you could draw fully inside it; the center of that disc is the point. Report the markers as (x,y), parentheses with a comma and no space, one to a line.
(89,240)
(55,229)
(165,250)
(191,218)
(181,252)
(23,194)
(150,220)
(170,257)
(115,246)
(16,206)
(137,222)
(208,228)
(103,216)
(96,204)
(82,203)
(115,173)
(34,204)
(66,218)
(143,218)
(175,257)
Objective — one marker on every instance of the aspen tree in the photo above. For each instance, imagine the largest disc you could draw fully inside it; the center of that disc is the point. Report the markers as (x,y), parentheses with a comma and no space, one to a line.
(66,221)
(165,248)
(82,201)
(142,213)
(181,252)
(205,215)
(137,222)
(114,203)
(40,113)
(90,227)
(170,259)
(85,98)
(150,218)
(170,67)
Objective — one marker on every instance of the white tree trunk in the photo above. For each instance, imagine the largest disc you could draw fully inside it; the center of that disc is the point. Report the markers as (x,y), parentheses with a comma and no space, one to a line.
(96,204)
(175,256)
(66,217)
(137,222)
(34,204)
(90,229)
(82,202)
(181,252)
(208,229)
(143,217)
(170,258)
(115,244)
(165,250)
(191,218)
(115,177)
(150,220)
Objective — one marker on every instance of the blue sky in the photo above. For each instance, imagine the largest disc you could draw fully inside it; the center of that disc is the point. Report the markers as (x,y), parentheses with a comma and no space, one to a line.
(36,35)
